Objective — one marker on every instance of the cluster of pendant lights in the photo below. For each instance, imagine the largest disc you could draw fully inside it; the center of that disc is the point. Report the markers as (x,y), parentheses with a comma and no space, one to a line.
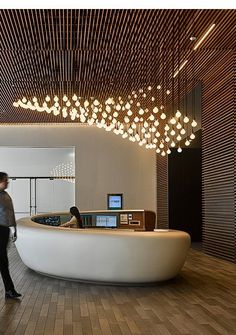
(141,117)
(64,171)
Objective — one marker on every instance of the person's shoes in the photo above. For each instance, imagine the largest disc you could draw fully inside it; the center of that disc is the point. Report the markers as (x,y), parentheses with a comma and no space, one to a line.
(12,294)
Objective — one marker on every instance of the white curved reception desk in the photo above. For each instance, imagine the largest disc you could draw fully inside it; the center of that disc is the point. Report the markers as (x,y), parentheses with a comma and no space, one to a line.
(102,255)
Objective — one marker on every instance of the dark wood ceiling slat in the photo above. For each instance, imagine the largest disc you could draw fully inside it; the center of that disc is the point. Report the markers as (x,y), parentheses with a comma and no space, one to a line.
(102,52)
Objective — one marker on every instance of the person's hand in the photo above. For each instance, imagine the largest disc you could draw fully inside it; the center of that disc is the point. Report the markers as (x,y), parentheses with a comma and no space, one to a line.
(14,236)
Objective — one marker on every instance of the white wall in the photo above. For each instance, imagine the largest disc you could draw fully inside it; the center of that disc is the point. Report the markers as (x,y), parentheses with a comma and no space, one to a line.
(34,162)
(104,162)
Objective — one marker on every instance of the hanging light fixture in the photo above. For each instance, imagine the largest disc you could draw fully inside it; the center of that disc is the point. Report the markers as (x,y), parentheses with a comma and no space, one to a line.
(144,116)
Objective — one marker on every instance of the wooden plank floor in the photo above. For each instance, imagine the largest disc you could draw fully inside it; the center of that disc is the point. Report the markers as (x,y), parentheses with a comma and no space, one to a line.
(201,300)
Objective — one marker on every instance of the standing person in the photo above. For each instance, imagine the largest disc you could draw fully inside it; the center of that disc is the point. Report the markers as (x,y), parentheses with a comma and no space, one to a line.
(7,219)
(75,221)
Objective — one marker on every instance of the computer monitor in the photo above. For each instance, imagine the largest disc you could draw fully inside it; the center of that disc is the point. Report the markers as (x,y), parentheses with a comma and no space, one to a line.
(114,201)
(106,221)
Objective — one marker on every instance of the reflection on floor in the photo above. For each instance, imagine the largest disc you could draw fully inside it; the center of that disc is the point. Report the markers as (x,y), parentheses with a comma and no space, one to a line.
(201,300)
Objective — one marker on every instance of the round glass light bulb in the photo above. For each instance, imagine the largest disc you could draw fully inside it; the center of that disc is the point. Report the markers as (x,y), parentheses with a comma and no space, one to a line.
(151,117)
(64,114)
(64,98)
(152,98)
(186,119)
(178,138)
(127,106)
(108,109)
(74,98)
(194,124)
(168,151)
(158,87)
(156,123)
(158,134)
(163,153)
(126,119)
(68,103)
(178,126)
(167,127)
(178,114)
(187,143)
(47,98)
(158,150)
(130,131)
(56,98)
(143,130)
(161,145)
(77,103)
(155,110)
(182,131)
(163,116)
(86,103)
(115,114)
(167,139)
(149,88)
(96,102)
(172,132)
(172,144)
(118,107)
(155,140)
(141,111)
(136,119)
(192,136)
(179,149)
(168,92)
(172,120)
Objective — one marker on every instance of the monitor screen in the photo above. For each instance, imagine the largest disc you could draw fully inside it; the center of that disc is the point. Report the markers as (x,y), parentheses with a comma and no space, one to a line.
(114,201)
(107,221)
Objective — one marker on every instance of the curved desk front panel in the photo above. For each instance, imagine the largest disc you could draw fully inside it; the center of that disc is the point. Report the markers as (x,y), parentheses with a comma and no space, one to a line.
(116,256)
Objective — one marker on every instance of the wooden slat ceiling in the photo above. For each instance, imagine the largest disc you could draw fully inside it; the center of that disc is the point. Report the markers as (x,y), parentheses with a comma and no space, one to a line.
(100,53)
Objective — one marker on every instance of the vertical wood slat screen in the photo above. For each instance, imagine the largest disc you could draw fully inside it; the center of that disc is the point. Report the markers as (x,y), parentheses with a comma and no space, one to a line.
(162,191)
(234,155)
(218,158)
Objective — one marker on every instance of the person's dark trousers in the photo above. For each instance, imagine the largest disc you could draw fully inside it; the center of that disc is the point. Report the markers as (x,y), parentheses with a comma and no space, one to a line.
(4,238)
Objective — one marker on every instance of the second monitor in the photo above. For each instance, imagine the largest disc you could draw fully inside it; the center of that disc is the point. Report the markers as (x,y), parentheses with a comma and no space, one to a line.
(106,221)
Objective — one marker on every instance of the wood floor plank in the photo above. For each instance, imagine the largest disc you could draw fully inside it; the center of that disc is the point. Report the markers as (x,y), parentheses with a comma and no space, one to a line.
(200,301)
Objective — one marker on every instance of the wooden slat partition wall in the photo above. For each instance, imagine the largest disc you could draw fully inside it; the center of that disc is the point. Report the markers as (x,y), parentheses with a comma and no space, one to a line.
(162,191)
(235,154)
(218,156)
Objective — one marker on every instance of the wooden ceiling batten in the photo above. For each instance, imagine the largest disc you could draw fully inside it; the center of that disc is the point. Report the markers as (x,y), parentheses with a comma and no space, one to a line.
(99,52)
